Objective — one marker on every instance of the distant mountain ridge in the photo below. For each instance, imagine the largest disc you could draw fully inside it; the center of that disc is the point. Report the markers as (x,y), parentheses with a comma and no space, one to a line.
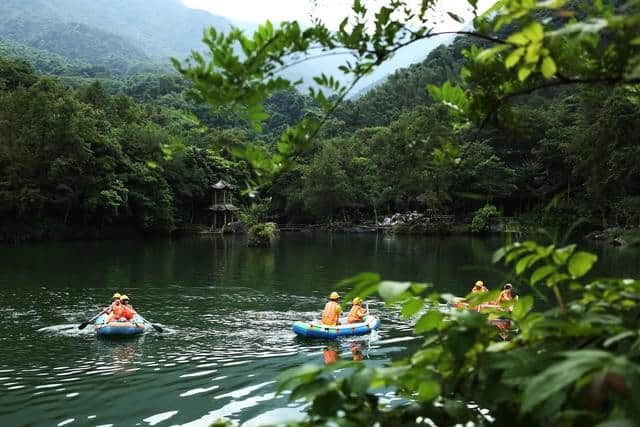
(88,38)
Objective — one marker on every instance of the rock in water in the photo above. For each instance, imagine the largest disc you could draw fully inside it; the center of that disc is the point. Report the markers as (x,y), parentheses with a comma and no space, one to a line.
(619,241)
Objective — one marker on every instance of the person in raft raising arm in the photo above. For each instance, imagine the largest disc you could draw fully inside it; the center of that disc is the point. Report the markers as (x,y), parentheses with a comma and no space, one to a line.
(332,310)
(357,312)
(115,310)
(479,287)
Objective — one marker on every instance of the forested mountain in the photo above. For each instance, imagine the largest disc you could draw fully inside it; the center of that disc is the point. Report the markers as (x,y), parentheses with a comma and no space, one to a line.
(91,38)
(159,28)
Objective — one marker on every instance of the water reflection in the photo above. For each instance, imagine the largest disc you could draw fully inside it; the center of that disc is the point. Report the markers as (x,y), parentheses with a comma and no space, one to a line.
(356,351)
(122,351)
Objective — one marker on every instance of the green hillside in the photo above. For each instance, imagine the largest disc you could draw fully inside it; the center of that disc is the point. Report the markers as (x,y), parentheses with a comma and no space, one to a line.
(160,28)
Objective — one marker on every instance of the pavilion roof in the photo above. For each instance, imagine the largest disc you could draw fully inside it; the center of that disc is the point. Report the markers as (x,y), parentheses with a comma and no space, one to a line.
(222,184)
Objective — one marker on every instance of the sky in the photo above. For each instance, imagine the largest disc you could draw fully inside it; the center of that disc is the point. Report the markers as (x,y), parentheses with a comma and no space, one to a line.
(332,12)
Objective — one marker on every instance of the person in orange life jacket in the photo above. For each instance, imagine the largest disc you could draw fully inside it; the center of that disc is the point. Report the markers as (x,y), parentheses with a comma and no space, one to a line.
(357,312)
(127,310)
(479,287)
(332,310)
(505,295)
(114,312)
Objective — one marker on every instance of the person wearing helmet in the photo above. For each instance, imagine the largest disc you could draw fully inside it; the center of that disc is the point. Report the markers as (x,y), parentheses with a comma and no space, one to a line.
(332,310)
(114,312)
(357,312)
(127,310)
(479,287)
(505,295)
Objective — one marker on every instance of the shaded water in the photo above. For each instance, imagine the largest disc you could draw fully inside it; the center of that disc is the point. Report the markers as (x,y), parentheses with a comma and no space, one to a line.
(227,312)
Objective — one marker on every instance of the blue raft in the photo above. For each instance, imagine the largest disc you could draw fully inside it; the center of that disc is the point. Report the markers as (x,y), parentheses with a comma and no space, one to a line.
(119,328)
(318,330)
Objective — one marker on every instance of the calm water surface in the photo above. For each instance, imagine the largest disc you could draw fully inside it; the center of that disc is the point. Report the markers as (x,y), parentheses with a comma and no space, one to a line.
(227,312)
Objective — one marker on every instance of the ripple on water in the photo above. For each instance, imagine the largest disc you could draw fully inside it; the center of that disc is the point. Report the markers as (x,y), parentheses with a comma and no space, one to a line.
(158,418)
(176,369)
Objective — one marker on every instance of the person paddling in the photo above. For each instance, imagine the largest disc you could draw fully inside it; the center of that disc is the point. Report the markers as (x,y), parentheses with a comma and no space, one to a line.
(479,287)
(116,309)
(332,310)
(357,312)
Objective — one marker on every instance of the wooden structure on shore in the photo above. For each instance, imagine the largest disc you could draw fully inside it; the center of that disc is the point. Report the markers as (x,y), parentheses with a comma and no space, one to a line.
(222,207)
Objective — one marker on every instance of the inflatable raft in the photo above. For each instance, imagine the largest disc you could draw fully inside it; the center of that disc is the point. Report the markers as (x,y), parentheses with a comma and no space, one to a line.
(316,329)
(119,328)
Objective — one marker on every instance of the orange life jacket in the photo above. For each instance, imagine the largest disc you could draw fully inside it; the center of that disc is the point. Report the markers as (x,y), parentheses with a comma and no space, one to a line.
(331,313)
(355,315)
(117,309)
(482,289)
(128,312)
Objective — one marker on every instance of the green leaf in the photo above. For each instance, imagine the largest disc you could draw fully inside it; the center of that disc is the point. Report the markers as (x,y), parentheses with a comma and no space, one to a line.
(526,262)
(620,422)
(560,256)
(524,72)
(490,53)
(456,17)
(619,337)
(534,31)
(361,380)
(428,321)
(411,307)
(389,290)
(560,375)
(514,57)
(523,306)
(500,253)
(428,390)
(518,38)
(541,272)
(533,53)
(580,263)
(548,67)
(309,390)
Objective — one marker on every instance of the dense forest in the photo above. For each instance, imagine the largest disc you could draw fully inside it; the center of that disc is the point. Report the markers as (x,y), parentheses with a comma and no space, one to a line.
(93,156)
(76,161)
(95,136)
(574,146)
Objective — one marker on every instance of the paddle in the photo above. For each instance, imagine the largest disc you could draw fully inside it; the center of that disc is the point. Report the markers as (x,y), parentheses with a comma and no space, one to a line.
(156,327)
(84,324)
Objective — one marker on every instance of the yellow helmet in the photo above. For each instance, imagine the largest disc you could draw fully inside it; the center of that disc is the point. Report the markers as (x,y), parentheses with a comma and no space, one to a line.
(334,295)
(357,300)
(124,297)
(116,295)
(479,283)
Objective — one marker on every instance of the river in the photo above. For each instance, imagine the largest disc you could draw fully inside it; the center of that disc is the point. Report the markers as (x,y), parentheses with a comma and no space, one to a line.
(227,311)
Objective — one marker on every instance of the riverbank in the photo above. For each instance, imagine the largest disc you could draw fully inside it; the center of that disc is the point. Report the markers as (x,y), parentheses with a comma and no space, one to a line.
(423,226)
(617,236)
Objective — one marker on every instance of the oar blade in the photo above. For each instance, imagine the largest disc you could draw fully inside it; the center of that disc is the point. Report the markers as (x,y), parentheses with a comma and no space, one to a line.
(157,328)
(83,325)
